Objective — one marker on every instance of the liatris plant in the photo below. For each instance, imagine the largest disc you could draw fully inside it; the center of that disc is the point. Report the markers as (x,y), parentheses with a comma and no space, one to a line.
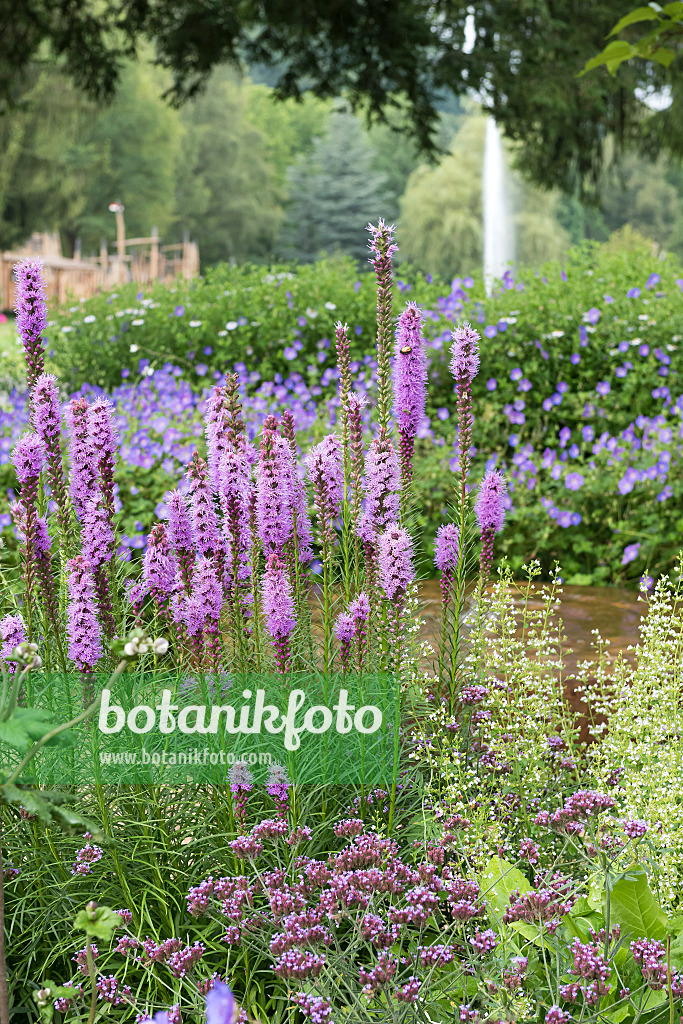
(31,311)
(228,571)
(410,385)
(383,249)
(490,512)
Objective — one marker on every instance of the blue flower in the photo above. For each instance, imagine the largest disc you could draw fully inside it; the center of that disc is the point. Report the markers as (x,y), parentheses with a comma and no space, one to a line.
(633,293)
(630,553)
(491,384)
(442,413)
(220,1004)
(490,331)
(603,387)
(515,374)
(593,315)
(179,311)
(289,352)
(573,481)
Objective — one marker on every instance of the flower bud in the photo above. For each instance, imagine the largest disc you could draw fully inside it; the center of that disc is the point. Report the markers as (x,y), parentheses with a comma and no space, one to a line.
(160,645)
(130,649)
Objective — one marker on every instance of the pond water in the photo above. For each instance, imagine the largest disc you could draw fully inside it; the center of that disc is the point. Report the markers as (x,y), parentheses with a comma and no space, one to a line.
(614,611)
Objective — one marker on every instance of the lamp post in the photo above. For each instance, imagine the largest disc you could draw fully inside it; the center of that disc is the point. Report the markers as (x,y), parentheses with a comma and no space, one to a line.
(118,209)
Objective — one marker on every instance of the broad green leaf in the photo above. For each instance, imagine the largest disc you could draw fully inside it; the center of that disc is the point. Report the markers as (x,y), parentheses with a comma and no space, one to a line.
(99,924)
(635,908)
(662,55)
(37,723)
(498,880)
(617,1014)
(674,10)
(614,54)
(640,14)
(13,734)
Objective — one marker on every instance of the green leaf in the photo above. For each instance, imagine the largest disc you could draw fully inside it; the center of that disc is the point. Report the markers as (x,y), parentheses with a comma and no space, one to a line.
(498,880)
(674,10)
(640,14)
(614,54)
(98,924)
(12,734)
(618,1014)
(635,908)
(37,723)
(662,55)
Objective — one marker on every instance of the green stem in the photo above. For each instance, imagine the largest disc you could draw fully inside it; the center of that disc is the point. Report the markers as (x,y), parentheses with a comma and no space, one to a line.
(4,994)
(93,980)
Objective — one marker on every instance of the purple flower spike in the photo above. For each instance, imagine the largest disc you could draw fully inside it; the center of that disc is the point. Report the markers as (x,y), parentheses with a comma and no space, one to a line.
(359,610)
(180,535)
(465,353)
(31,310)
(204,518)
(83,628)
(345,632)
(98,536)
(28,458)
(395,562)
(297,490)
(382,483)
(82,454)
(410,383)
(464,366)
(12,633)
(326,472)
(159,566)
(383,249)
(274,479)
(278,605)
(446,555)
(47,419)
(220,1005)
(447,547)
(489,509)
(104,438)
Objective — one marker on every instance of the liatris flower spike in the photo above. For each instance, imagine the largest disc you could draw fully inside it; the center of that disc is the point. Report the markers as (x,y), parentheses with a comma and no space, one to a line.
(383,249)
(345,631)
(31,311)
(396,571)
(490,512)
(410,384)
(278,605)
(446,554)
(464,367)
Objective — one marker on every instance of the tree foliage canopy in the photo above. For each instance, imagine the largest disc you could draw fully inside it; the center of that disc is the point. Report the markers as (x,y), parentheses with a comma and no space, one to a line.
(524,62)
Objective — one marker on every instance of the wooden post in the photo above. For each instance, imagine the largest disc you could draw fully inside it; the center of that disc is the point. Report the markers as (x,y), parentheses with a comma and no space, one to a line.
(60,285)
(121,243)
(185,271)
(154,255)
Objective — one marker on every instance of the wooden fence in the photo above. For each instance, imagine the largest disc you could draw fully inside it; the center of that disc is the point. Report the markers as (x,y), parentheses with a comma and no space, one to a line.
(82,277)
